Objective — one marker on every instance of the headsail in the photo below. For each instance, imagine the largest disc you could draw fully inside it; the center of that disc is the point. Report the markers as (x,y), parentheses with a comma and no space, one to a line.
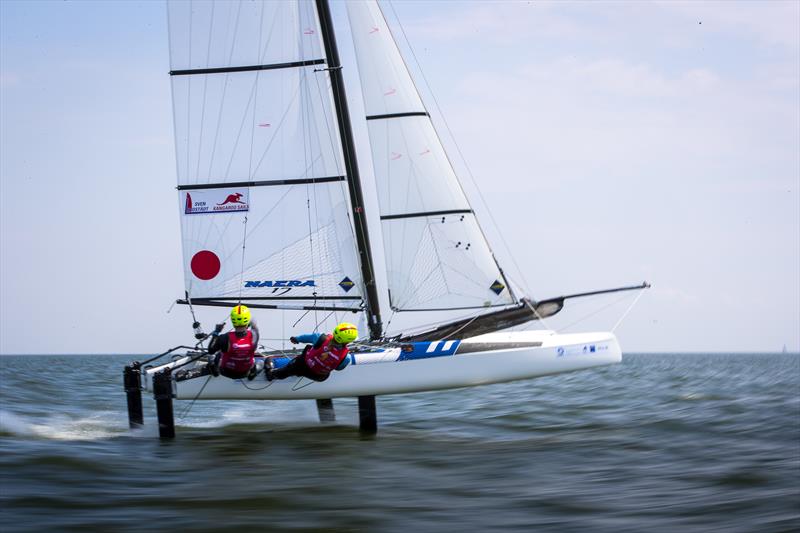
(436,255)
(262,188)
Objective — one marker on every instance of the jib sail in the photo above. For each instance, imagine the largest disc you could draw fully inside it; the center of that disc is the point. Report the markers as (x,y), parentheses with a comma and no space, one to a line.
(436,255)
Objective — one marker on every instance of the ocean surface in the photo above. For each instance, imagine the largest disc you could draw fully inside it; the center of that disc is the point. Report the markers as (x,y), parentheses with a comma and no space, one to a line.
(661,442)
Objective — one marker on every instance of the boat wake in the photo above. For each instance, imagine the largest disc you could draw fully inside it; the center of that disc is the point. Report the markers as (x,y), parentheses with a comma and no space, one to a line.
(112,424)
(101,425)
(222,414)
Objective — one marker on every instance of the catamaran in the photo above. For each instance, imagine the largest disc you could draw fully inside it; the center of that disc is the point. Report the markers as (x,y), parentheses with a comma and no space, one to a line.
(273,216)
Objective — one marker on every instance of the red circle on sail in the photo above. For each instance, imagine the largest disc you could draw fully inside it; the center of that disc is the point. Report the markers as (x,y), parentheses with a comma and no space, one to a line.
(205,265)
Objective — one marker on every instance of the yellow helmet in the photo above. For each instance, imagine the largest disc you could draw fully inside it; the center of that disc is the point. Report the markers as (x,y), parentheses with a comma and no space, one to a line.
(344,333)
(240,316)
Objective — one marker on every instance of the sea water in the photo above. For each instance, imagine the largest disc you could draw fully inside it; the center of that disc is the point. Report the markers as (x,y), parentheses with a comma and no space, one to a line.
(661,442)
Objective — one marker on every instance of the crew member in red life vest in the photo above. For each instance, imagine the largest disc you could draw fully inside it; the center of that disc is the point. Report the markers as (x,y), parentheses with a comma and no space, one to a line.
(325,354)
(236,349)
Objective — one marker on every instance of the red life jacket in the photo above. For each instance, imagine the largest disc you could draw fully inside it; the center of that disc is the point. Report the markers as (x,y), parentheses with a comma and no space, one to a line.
(326,358)
(240,354)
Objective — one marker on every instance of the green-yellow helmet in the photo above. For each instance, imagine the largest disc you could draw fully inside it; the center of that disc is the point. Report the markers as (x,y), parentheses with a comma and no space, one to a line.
(345,333)
(240,316)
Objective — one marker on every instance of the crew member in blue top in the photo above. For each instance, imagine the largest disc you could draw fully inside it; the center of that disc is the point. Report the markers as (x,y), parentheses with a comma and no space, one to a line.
(324,354)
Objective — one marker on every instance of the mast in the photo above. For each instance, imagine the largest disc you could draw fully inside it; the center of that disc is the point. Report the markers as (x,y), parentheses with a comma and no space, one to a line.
(351,169)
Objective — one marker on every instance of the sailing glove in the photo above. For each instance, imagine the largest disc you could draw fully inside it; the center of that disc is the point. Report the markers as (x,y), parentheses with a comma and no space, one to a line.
(293,340)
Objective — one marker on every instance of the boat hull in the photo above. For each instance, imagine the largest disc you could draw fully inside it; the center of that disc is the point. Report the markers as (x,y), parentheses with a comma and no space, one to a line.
(492,358)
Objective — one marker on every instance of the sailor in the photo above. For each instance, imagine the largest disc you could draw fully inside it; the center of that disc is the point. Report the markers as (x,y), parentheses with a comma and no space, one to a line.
(235,351)
(324,354)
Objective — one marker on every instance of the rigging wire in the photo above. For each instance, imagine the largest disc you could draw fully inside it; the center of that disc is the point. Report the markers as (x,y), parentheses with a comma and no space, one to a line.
(625,314)
(241,269)
(391,317)
(303,102)
(301,318)
(186,411)
(590,315)
(453,333)
(305,112)
(532,307)
(316,327)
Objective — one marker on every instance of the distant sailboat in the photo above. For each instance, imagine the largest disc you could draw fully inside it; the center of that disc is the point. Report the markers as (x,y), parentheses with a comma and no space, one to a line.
(273,215)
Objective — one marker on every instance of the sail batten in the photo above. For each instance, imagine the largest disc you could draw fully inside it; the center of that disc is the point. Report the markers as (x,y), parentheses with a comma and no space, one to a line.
(246,68)
(269,183)
(289,298)
(256,304)
(426,214)
(398,115)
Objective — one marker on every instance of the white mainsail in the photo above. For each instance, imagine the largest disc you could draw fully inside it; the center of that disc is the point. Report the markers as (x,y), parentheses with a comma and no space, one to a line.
(263,199)
(436,255)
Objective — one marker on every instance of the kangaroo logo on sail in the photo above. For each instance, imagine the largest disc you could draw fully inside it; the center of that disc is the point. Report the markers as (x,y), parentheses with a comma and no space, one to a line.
(216,201)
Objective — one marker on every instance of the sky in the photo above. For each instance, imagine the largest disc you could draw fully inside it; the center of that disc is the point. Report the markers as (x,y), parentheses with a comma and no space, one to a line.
(604,144)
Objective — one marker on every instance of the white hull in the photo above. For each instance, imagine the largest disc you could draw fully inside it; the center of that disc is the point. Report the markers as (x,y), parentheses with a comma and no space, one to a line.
(556,353)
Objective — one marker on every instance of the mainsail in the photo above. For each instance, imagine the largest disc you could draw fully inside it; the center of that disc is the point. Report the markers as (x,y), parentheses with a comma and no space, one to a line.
(436,255)
(263,193)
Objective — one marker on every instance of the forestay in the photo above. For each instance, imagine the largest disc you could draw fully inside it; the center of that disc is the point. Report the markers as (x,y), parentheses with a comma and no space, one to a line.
(262,197)
(436,255)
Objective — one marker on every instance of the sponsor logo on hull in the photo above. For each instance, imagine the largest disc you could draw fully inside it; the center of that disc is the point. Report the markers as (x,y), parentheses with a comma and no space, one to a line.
(580,349)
